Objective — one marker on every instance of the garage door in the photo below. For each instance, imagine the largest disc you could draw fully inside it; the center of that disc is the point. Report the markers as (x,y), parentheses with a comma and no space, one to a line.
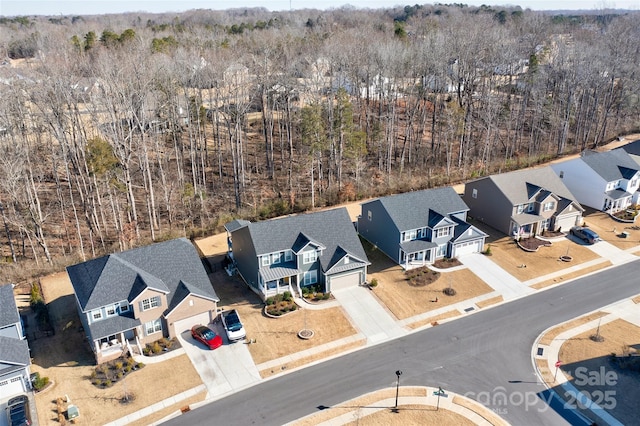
(186,324)
(10,387)
(466,248)
(564,224)
(345,281)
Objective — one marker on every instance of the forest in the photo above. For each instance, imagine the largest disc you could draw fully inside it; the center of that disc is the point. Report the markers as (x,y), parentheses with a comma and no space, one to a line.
(120,130)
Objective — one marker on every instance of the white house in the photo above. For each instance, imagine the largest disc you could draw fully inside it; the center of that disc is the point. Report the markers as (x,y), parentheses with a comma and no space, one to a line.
(606,181)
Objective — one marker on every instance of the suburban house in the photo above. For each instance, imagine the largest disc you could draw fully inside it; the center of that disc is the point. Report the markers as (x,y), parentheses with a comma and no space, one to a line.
(417,228)
(523,203)
(15,359)
(126,300)
(292,252)
(606,181)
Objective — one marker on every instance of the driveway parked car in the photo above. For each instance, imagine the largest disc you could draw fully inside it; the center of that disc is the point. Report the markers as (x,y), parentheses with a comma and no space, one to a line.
(207,336)
(233,325)
(18,411)
(585,234)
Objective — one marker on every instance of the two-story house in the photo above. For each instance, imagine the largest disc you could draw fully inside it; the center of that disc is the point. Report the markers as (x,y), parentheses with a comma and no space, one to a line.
(523,203)
(606,181)
(15,360)
(126,300)
(292,252)
(417,228)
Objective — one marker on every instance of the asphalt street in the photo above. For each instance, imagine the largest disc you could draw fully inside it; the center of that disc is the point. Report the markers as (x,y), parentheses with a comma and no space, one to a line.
(485,356)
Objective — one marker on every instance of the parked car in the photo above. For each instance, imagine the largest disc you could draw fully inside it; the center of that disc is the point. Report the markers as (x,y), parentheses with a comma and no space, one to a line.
(585,234)
(18,411)
(207,336)
(233,325)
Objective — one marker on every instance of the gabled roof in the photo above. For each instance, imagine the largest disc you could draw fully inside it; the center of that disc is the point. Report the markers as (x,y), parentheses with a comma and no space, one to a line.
(632,148)
(413,210)
(465,231)
(163,267)
(611,165)
(520,186)
(8,309)
(332,230)
(235,224)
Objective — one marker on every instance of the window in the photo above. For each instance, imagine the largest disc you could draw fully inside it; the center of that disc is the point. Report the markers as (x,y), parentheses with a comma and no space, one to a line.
(111,310)
(369,215)
(96,315)
(548,206)
(266,260)
(276,258)
(561,174)
(474,193)
(150,303)
(310,277)
(124,307)
(442,232)
(442,250)
(288,255)
(152,327)
(346,260)
(309,257)
(531,207)
(520,208)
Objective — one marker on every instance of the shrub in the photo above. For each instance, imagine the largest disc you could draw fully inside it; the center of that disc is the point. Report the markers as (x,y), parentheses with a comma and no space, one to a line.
(107,383)
(140,364)
(39,382)
(156,348)
(118,365)
(374,282)
(270,301)
(287,296)
(326,296)
(146,351)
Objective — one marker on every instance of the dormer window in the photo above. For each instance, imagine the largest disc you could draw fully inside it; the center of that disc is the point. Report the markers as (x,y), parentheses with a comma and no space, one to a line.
(124,307)
(276,258)
(442,232)
(266,260)
(548,206)
(111,311)
(96,315)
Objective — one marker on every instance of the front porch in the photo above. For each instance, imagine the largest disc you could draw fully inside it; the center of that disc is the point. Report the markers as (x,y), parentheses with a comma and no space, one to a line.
(278,279)
(417,253)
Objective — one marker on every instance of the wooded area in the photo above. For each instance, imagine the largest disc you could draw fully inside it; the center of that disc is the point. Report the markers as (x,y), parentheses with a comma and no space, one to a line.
(118,130)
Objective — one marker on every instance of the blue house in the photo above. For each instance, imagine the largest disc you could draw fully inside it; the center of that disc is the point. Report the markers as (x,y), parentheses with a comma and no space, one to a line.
(417,228)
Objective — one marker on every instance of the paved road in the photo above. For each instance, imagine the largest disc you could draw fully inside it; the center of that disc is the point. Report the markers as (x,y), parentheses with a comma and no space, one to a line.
(486,356)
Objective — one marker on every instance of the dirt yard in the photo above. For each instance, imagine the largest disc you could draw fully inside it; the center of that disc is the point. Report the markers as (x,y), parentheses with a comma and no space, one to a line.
(614,388)
(277,337)
(610,230)
(528,265)
(65,358)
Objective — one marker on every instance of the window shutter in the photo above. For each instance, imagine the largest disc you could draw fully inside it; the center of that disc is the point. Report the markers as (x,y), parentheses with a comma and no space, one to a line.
(140,306)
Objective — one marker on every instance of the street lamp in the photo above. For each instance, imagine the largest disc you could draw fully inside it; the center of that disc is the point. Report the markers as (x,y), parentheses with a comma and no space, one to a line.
(398,374)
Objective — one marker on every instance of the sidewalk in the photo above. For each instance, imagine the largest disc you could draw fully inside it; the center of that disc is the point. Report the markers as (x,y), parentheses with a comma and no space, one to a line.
(500,280)
(626,309)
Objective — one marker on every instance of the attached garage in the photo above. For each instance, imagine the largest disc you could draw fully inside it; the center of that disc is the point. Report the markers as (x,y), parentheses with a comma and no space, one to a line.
(344,281)
(565,223)
(183,325)
(11,387)
(467,247)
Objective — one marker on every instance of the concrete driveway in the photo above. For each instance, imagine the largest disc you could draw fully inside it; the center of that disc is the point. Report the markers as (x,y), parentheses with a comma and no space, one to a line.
(224,370)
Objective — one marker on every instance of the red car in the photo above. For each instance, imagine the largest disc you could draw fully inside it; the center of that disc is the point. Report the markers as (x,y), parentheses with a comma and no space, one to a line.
(207,336)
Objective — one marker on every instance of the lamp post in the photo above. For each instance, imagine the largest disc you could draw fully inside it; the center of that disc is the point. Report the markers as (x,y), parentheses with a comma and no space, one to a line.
(398,374)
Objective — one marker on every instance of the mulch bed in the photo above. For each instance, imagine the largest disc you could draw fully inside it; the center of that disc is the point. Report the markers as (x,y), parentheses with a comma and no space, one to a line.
(446,263)
(532,244)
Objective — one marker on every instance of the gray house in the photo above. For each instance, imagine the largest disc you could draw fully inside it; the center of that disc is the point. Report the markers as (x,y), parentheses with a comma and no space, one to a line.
(417,228)
(289,253)
(15,360)
(523,203)
(138,296)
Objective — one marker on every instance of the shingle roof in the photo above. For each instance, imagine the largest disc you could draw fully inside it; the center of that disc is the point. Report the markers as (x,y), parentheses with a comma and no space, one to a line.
(611,165)
(461,233)
(8,309)
(235,225)
(632,147)
(122,276)
(331,228)
(114,325)
(14,351)
(521,185)
(413,210)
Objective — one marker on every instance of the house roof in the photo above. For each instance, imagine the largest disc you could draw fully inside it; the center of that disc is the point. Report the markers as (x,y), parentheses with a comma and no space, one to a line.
(611,165)
(632,147)
(417,245)
(235,224)
(413,210)
(522,186)
(14,352)
(465,231)
(332,229)
(114,325)
(8,309)
(166,267)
